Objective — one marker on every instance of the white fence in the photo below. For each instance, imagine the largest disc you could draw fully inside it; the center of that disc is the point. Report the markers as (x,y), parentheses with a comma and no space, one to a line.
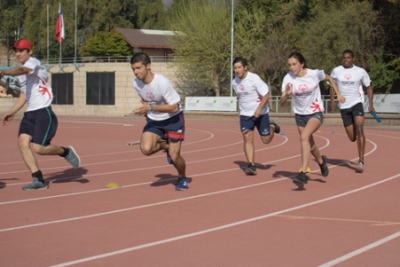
(206,103)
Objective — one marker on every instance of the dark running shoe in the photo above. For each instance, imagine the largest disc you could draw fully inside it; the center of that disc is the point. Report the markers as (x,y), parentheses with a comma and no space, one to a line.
(324,167)
(251,169)
(182,184)
(35,185)
(168,157)
(300,178)
(277,128)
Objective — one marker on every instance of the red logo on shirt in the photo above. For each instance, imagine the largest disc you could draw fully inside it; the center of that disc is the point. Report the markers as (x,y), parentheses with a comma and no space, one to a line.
(44,89)
(316,106)
(303,87)
(150,96)
(258,99)
(347,76)
(360,94)
(241,87)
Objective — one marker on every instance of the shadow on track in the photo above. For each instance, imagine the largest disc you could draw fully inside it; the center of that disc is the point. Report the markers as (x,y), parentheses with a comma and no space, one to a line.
(67,176)
(167,179)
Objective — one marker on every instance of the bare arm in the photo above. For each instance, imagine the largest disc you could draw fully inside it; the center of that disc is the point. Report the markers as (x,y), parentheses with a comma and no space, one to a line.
(332,94)
(286,94)
(10,115)
(370,94)
(328,78)
(264,101)
(160,108)
(15,71)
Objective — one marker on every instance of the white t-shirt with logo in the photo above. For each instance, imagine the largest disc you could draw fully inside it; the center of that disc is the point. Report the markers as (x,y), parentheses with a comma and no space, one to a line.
(250,90)
(349,82)
(38,93)
(159,92)
(306,94)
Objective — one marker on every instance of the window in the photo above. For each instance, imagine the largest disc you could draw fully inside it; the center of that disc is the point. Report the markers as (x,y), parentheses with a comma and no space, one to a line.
(63,88)
(100,88)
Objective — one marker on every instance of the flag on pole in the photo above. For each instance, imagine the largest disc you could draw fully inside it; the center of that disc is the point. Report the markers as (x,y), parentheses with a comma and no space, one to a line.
(60,30)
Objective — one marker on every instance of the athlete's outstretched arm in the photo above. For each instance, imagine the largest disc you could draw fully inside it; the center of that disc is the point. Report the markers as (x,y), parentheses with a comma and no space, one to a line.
(370,93)
(10,115)
(15,71)
(328,78)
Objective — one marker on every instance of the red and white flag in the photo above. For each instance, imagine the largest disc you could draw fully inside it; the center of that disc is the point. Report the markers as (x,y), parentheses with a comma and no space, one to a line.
(60,30)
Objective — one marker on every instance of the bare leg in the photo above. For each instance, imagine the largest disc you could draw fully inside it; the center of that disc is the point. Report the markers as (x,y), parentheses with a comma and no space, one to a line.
(179,162)
(150,143)
(267,139)
(308,144)
(248,145)
(359,129)
(47,150)
(24,142)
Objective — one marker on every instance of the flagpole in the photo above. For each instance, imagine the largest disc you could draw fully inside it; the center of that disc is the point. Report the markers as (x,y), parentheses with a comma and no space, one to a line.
(47,33)
(75,29)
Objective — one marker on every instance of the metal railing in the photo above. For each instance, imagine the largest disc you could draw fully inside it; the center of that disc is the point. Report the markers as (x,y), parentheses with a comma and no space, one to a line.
(82,60)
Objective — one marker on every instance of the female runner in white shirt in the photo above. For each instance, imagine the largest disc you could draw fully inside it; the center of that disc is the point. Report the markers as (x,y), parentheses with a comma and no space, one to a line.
(303,84)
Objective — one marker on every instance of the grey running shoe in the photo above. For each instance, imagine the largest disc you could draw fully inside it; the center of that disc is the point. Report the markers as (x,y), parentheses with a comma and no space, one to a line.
(251,169)
(36,184)
(73,158)
(277,128)
(324,167)
(360,166)
(300,178)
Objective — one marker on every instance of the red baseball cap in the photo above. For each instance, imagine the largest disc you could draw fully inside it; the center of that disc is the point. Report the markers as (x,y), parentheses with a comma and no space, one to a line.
(22,44)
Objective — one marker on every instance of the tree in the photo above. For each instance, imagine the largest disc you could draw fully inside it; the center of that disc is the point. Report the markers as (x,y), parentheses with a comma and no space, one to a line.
(106,44)
(202,42)
(381,74)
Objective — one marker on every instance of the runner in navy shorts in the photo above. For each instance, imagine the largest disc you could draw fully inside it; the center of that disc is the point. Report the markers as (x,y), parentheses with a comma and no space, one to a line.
(253,94)
(39,124)
(262,124)
(161,106)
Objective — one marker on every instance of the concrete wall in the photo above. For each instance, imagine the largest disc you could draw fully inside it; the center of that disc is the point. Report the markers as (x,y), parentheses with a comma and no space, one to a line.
(126,98)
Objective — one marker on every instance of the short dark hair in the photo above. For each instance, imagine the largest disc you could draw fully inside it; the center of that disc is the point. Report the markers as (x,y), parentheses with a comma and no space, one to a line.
(299,57)
(348,51)
(140,57)
(241,60)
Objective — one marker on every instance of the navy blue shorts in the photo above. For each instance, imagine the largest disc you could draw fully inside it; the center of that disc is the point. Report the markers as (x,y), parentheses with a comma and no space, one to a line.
(262,124)
(41,124)
(172,128)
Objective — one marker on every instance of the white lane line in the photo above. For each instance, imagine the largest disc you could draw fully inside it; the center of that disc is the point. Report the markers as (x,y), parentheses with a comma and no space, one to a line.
(120,152)
(154,204)
(361,250)
(221,227)
(154,167)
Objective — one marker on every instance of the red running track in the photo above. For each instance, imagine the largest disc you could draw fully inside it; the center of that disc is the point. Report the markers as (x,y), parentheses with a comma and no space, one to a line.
(225,219)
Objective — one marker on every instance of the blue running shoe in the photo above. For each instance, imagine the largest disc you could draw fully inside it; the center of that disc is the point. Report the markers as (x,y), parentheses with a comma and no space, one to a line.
(36,184)
(182,184)
(168,157)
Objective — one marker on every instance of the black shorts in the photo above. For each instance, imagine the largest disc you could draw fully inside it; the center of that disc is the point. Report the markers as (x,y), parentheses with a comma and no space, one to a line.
(41,124)
(172,128)
(348,114)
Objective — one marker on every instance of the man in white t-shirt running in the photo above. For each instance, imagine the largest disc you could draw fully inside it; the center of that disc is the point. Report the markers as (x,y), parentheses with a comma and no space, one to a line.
(165,121)
(253,94)
(39,124)
(350,79)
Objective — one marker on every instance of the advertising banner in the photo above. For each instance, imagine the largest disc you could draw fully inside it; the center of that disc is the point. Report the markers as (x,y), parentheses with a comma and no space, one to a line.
(384,103)
(206,103)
